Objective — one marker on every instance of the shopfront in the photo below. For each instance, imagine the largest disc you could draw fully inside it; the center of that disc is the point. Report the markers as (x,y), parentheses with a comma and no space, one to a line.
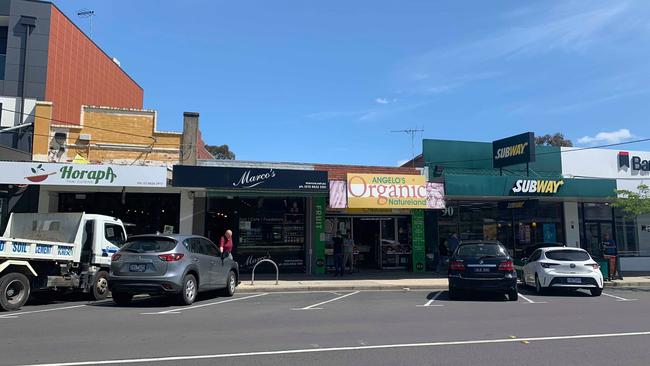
(380,215)
(137,195)
(521,205)
(269,210)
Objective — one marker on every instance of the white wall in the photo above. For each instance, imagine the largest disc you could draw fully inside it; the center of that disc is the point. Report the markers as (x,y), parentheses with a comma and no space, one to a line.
(10,114)
(572,224)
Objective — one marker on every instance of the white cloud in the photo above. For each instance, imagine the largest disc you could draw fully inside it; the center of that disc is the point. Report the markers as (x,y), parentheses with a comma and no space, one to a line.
(612,137)
(382,100)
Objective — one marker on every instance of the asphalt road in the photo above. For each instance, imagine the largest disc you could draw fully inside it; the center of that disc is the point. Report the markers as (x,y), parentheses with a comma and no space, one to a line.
(337,328)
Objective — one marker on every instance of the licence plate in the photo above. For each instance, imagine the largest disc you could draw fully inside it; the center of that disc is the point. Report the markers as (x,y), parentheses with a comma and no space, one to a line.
(574,280)
(481,269)
(137,267)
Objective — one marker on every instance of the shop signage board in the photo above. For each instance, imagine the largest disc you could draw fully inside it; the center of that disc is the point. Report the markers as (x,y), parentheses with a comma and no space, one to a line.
(418,245)
(393,191)
(519,149)
(635,163)
(82,174)
(537,186)
(319,234)
(252,179)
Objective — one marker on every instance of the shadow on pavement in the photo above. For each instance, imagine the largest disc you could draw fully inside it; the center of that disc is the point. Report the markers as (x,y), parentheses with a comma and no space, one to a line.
(147,301)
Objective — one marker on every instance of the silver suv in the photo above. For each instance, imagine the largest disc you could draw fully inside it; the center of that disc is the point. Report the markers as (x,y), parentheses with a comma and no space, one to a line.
(179,265)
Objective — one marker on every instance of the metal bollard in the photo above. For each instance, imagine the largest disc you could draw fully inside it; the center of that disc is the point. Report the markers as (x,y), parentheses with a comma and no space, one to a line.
(277,271)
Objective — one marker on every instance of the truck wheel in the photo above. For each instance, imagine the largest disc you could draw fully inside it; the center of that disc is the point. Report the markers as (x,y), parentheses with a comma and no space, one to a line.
(122,298)
(189,291)
(100,286)
(14,291)
(231,285)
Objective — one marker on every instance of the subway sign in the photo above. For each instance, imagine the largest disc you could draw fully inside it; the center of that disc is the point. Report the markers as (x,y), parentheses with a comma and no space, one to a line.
(537,186)
(513,150)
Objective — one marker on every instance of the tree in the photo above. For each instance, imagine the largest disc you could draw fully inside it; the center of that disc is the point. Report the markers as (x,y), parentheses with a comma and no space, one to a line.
(220,152)
(633,203)
(553,140)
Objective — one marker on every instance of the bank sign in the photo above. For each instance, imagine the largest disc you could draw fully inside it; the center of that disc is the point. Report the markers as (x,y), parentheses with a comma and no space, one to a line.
(82,174)
(635,163)
(393,191)
(519,149)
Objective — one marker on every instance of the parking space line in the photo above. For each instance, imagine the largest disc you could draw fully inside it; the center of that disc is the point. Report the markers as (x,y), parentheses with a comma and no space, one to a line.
(430,302)
(178,359)
(315,306)
(15,315)
(618,298)
(531,301)
(178,310)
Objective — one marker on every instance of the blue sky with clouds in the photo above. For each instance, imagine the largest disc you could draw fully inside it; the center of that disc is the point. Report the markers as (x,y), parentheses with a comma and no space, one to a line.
(328,81)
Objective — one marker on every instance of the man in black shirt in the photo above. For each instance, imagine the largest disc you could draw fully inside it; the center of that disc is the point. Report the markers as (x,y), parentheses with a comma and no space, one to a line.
(338,255)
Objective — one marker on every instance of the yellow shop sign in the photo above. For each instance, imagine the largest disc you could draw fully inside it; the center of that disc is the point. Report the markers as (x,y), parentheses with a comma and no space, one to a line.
(393,191)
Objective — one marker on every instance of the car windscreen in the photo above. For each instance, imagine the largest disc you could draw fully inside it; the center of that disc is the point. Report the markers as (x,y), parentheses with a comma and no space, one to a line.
(482,250)
(567,255)
(148,245)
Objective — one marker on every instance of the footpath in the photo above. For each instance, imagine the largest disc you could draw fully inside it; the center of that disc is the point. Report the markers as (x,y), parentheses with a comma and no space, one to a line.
(374,281)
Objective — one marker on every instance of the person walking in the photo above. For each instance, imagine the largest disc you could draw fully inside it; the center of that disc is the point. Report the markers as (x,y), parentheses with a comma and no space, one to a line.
(225,244)
(610,252)
(338,255)
(348,249)
(452,243)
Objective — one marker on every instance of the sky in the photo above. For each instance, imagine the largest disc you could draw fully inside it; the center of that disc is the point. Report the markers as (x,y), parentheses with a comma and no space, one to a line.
(329,81)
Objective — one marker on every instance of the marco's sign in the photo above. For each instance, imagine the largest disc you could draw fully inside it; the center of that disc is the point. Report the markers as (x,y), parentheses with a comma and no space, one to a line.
(513,150)
(393,191)
(82,174)
(537,187)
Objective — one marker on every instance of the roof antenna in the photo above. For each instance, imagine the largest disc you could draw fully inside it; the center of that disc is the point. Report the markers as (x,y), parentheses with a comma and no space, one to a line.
(87,13)
(412,132)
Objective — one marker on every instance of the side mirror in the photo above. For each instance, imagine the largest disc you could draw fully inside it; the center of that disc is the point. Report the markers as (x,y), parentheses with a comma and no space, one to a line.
(104,254)
(524,260)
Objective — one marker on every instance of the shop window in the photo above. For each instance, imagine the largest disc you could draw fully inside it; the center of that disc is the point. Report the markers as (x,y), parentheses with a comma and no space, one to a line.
(597,211)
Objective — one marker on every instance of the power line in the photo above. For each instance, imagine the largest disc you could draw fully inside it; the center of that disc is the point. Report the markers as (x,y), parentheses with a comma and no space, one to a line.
(412,132)
(544,153)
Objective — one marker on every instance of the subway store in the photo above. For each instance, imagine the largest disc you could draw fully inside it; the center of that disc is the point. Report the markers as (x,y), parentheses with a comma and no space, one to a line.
(521,203)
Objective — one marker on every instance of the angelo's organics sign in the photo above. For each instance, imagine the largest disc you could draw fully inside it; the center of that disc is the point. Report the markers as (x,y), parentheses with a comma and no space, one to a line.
(393,191)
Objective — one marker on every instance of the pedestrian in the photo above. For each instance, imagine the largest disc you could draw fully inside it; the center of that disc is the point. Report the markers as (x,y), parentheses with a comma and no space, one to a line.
(225,244)
(452,243)
(348,249)
(443,257)
(610,252)
(338,255)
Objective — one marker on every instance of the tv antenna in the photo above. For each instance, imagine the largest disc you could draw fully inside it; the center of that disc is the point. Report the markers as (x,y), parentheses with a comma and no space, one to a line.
(412,132)
(87,13)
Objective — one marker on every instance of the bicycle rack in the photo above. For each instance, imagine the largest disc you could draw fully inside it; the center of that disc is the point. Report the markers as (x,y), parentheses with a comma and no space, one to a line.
(277,271)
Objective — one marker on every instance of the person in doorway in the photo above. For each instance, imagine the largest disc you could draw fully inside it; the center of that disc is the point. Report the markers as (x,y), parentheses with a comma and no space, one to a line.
(452,243)
(348,246)
(338,255)
(225,244)
(610,252)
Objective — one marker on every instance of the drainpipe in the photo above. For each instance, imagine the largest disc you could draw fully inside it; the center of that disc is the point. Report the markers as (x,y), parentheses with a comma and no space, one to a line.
(29,23)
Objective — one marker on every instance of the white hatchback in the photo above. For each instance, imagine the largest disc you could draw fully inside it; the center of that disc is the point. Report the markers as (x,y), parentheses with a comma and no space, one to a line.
(562,268)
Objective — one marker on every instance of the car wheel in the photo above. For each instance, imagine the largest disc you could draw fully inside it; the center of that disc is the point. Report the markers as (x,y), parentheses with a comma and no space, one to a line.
(596,291)
(513,295)
(100,286)
(189,291)
(121,298)
(231,285)
(14,291)
(538,286)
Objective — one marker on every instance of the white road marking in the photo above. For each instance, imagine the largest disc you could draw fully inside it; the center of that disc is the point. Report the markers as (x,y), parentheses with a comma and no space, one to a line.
(178,310)
(432,300)
(342,349)
(15,315)
(617,297)
(531,301)
(315,306)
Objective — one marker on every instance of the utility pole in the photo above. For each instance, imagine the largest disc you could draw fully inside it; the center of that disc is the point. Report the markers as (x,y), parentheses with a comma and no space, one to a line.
(411,132)
(87,13)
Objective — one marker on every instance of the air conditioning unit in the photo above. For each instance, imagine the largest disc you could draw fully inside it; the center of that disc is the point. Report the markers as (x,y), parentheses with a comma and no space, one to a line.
(85,137)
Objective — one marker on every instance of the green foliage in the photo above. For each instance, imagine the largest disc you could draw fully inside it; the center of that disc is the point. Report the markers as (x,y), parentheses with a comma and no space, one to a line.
(553,140)
(221,152)
(633,203)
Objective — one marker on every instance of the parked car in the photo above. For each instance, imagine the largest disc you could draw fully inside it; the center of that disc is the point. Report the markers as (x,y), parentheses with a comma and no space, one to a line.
(529,250)
(178,265)
(562,268)
(482,266)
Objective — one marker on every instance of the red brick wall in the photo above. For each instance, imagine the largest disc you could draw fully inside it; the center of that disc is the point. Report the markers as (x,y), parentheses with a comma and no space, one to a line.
(339,172)
(78,72)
